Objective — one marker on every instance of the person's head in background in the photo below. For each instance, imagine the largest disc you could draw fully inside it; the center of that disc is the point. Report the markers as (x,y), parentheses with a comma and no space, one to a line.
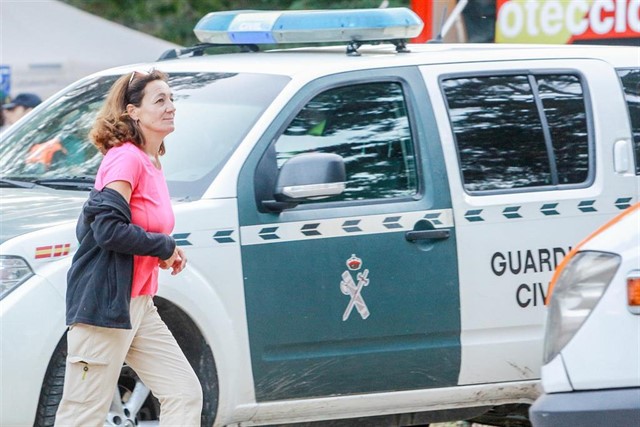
(19,106)
(3,98)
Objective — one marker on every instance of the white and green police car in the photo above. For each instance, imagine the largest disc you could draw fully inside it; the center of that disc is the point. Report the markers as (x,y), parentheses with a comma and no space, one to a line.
(371,227)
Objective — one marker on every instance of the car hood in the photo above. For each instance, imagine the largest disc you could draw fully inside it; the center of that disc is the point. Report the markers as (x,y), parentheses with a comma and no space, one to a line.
(23,210)
(619,235)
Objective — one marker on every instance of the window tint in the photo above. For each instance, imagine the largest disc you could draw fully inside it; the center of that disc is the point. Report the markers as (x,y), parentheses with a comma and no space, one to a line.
(367,125)
(519,131)
(498,132)
(631,84)
(565,113)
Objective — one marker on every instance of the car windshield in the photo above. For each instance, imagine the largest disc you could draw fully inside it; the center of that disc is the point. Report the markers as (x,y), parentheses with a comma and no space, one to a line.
(214,111)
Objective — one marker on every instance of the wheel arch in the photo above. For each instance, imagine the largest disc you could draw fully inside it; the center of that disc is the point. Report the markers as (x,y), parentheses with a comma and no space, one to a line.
(198,352)
(218,317)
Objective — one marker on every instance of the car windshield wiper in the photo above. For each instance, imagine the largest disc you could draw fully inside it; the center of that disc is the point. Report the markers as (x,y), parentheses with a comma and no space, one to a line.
(64,182)
(15,183)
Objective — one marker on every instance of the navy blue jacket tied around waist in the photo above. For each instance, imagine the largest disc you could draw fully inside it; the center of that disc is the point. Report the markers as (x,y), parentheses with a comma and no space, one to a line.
(100,277)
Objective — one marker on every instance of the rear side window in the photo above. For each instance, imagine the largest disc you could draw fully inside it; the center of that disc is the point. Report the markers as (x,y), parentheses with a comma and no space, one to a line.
(631,85)
(519,131)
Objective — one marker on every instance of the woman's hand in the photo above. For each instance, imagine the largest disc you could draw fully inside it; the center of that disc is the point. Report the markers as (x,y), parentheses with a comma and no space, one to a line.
(176,262)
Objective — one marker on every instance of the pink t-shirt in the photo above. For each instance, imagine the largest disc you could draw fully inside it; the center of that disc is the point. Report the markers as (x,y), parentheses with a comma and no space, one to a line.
(150,205)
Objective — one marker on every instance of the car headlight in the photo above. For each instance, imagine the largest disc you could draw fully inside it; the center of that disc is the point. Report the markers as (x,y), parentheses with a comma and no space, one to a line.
(578,289)
(13,271)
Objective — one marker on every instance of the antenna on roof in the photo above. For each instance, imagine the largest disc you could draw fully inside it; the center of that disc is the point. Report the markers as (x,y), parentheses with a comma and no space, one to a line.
(446,26)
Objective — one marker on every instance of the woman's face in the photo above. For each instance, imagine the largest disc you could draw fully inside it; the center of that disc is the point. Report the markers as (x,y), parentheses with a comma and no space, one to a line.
(156,112)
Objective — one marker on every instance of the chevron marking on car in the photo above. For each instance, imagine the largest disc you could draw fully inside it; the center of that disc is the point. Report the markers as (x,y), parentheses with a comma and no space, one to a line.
(340,227)
(223,236)
(181,239)
(549,209)
(511,212)
(527,211)
(623,202)
(473,215)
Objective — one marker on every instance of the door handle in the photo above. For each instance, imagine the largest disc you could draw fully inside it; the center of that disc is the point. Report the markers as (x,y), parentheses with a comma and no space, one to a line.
(415,235)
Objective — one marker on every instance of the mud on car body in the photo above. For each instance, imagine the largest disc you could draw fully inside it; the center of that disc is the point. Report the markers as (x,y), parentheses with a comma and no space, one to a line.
(371,229)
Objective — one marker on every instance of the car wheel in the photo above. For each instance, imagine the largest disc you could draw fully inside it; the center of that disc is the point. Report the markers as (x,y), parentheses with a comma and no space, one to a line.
(133,404)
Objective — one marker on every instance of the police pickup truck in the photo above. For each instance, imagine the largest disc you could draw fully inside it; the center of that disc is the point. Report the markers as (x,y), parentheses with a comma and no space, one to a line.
(371,227)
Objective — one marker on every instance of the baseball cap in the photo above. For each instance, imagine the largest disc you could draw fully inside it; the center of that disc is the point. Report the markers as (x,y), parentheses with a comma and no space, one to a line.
(27,100)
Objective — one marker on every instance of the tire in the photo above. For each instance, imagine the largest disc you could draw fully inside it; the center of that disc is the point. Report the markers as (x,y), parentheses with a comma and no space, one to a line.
(51,391)
(194,347)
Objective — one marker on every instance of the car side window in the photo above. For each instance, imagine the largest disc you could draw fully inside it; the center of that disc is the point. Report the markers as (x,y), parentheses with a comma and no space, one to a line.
(631,85)
(566,117)
(368,126)
(519,131)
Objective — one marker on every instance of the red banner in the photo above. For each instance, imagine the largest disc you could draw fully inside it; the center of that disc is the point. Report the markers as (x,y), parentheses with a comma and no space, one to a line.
(566,21)
(424,9)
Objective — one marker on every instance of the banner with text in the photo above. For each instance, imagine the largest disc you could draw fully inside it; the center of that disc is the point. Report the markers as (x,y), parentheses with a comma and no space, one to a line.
(566,21)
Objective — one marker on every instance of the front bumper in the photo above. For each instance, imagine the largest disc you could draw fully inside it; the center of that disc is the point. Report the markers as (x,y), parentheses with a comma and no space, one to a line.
(597,408)
(32,321)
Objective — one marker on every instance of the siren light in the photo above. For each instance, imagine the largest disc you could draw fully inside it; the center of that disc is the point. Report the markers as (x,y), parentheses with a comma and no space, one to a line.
(253,27)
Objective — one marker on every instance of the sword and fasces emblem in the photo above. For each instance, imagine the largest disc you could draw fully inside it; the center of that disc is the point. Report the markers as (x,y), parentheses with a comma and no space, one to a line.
(349,287)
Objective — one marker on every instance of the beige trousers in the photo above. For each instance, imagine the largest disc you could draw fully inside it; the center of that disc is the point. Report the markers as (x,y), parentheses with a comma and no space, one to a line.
(95,358)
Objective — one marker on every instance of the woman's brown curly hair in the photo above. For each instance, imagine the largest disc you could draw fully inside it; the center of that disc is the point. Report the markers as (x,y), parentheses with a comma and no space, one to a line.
(113,125)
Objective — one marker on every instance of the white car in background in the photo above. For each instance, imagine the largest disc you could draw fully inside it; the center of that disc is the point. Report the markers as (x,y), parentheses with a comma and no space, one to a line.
(591,372)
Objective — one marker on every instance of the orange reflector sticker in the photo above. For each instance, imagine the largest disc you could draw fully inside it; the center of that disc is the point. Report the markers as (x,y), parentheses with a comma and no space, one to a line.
(633,291)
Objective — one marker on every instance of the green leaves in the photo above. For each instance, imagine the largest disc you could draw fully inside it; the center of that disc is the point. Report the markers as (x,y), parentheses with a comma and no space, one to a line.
(173,20)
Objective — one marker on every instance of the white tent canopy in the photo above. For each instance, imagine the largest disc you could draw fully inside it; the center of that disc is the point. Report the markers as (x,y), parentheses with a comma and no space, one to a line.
(48,44)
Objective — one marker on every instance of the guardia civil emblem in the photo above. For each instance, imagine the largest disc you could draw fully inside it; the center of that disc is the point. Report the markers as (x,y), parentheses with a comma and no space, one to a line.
(353,288)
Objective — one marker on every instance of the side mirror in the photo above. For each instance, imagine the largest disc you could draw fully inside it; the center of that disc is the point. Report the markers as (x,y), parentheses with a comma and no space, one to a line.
(309,176)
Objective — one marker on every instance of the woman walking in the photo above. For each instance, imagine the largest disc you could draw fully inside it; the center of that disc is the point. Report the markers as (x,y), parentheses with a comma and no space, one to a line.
(124,233)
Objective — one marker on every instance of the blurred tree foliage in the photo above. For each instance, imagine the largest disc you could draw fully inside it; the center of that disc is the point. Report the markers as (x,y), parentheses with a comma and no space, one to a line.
(173,20)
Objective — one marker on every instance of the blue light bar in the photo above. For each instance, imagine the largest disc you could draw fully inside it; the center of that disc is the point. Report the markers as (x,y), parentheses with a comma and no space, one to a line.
(309,26)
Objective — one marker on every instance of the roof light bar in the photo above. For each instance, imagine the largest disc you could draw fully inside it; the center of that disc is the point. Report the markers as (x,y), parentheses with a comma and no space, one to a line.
(309,26)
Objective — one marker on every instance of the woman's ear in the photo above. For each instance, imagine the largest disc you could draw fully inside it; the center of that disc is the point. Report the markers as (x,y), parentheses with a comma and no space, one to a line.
(132,112)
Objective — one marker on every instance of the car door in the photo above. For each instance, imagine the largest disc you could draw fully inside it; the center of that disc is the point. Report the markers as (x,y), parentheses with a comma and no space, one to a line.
(339,298)
(540,152)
